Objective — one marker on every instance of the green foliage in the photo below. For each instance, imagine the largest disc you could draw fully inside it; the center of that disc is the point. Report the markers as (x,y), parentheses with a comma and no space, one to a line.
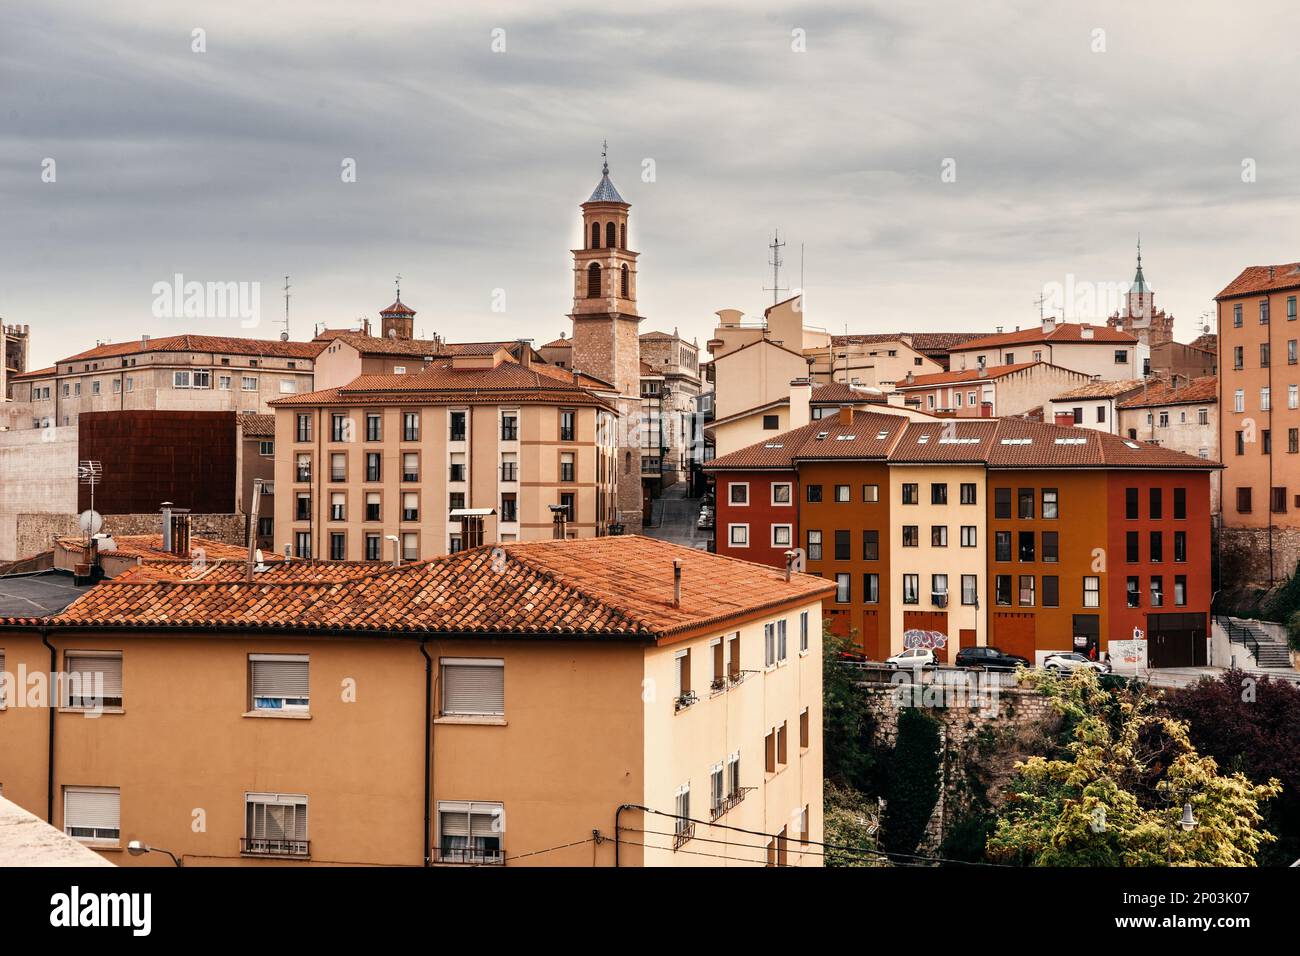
(912,787)
(850,821)
(1284,604)
(1115,796)
(848,725)
(966,837)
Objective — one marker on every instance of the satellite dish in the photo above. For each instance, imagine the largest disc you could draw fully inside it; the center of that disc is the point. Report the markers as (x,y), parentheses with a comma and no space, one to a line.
(284,336)
(90,522)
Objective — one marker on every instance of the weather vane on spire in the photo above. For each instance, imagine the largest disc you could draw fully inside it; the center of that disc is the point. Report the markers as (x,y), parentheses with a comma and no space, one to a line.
(398,282)
(1139,250)
(604,157)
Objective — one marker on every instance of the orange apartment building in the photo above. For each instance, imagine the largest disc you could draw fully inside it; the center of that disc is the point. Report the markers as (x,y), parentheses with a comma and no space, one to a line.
(477,449)
(1022,535)
(576,703)
(1259,420)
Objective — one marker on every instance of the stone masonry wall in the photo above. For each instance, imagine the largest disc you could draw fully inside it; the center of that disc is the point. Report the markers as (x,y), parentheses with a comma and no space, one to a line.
(1244,556)
(35,533)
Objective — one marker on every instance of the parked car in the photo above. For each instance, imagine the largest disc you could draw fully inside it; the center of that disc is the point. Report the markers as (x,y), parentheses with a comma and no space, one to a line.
(706,521)
(1070,661)
(990,658)
(912,658)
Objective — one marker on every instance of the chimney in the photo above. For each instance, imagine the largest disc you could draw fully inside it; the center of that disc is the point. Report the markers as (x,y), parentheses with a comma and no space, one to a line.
(252,526)
(167,526)
(846,415)
(1065,418)
(800,397)
(525,352)
(1049,324)
(999,330)
(729,317)
(180,536)
(1085,331)
(910,378)
(677,582)
(789,564)
(982,371)
(144,342)
(1270,273)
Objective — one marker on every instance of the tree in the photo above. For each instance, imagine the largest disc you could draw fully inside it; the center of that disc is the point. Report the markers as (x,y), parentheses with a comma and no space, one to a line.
(1252,725)
(1116,795)
(912,788)
(848,725)
(850,822)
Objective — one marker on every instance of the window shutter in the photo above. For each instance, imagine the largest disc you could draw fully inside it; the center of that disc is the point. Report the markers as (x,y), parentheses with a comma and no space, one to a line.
(87,666)
(473,688)
(4,681)
(455,823)
(279,677)
(92,808)
(484,825)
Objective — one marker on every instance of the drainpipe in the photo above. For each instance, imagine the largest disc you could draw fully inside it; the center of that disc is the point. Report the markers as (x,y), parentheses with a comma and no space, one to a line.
(428,749)
(53,689)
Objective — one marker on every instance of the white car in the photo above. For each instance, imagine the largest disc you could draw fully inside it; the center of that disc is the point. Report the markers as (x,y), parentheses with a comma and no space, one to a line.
(1070,661)
(912,658)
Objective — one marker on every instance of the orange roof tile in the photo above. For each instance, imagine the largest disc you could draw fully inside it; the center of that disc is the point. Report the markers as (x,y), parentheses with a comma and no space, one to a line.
(1198,391)
(1063,332)
(612,587)
(151,546)
(967,375)
(1110,389)
(256,425)
(1256,279)
(200,343)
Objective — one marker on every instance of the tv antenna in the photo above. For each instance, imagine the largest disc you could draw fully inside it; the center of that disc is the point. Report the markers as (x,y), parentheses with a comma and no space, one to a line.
(90,473)
(1040,301)
(776,261)
(285,337)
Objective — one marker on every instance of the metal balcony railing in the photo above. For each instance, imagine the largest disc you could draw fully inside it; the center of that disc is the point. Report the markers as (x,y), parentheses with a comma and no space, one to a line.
(262,846)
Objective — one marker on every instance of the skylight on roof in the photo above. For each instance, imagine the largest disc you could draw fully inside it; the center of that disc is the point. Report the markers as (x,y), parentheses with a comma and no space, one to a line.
(882,434)
(1132,445)
(923,440)
(821,436)
(774,444)
(958,441)
(1071,441)
(1017,441)
(845,437)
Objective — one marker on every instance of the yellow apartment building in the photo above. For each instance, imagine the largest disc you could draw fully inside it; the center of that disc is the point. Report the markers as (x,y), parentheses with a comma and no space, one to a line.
(555,703)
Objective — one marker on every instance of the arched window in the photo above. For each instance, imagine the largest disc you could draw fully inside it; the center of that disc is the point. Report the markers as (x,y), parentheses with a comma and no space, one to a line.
(609,235)
(593,281)
(595,235)
(627,281)
(622,236)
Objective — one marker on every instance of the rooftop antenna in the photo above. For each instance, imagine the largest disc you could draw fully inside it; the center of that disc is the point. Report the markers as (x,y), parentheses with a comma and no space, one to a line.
(286,308)
(776,245)
(1040,301)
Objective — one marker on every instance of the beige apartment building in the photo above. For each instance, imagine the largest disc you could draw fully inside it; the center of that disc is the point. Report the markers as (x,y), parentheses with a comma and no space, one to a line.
(1095,350)
(613,701)
(174,373)
(478,449)
(1259,418)
(990,392)
(1181,415)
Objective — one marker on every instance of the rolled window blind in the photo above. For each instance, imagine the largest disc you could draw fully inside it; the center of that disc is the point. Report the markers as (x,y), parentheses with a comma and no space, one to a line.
(82,670)
(279,678)
(473,689)
(92,808)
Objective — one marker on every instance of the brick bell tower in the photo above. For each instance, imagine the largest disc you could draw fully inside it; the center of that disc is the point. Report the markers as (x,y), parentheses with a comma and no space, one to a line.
(606,327)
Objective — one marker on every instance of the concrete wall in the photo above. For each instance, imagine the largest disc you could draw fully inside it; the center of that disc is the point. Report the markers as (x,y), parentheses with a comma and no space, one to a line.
(38,475)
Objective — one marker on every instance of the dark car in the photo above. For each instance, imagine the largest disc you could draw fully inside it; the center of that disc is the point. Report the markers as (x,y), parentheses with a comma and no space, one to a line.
(990,658)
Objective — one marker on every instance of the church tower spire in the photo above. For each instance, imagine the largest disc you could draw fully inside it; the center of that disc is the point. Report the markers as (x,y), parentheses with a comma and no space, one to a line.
(1140,300)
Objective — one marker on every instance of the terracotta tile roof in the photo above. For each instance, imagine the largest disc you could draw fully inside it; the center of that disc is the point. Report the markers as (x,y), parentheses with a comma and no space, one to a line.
(612,587)
(968,375)
(236,569)
(1101,390)
(1256,279)
(423,348)
(34,373)
(256,425)
(870,435)
(1063,332)
(925,342)
(996,442)
(151,546)
(1207,342)
(398,308)
(200,343)
(1199,391)
(560,343)
(840,393)
(442,383)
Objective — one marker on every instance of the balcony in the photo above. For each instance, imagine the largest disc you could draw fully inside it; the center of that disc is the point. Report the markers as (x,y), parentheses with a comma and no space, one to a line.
(472,855)
(260,846)
(685,700)
(685,832)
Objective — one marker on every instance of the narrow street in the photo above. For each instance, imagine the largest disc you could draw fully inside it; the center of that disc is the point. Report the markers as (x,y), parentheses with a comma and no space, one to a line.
(675,517)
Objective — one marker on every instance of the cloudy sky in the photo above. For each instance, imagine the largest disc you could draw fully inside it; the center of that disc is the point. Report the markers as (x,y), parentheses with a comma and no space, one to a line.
(1070,129)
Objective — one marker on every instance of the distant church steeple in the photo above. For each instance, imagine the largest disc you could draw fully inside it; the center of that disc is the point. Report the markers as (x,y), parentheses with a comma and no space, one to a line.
(1140,298)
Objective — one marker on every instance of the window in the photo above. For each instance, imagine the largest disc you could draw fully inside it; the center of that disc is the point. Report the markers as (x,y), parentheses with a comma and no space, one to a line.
(1131,547)
(870,545)
(682,662)
(1050,503)
(1133,591)
(1002,590)
(1002,502)
(1002,546)
(803,632)
(472,686)
(781,535)
(738,535)
(373,503)
(593,273)
(1203,416)
(180,379)
(733,775)
(938,493)
(843,589)
(1239,400)
(1131,503)
(782,743)
(302,468)
(1265,352)
(1277,503)
(911,493)
(871,589)
(843,548)
(509,426)
(739,493)
(769,751)
(1026,590)
(939,589)
(457,423)
(969,589)
(278,682)
(92,679)
(1051,590)
(939,536)
(373,466)
(1263,311)
(1025,502)
(782,653)
(781,493)
(509,507)
(1241,443)
(1121,356)
(1092,591)
(814,545)
(1180,504)
(771,423)
(968,536)
(93,813)
(911,536)
(248,383)
(1051,547)
(569,502)
(1157,591)
(568,424)
(302,427)
(842,494)
(814,494)
(338,506)
(1243,500)
(1157,504)
(968,493)
(302,544)
(266,449)
(1180,546)
(471,832)
(410,466)
(1236,316)
(410,426)
(1101,413)
(338,545)
(804,731)
(870,493)
(1180,591)
(411,506)
(769,644)
(1265,399)
(911,588)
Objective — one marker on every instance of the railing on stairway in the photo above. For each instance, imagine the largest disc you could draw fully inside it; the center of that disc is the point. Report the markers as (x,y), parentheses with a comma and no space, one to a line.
(1238,634)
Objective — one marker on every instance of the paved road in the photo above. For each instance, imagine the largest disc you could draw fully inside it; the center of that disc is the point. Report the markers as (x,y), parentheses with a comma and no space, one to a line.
(674,518)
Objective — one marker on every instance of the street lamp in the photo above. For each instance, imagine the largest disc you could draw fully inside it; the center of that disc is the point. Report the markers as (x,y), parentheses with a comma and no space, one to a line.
(1188,822)
(140,848)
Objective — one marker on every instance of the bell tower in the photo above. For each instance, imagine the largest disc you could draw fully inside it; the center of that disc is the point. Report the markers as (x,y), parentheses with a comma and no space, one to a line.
(606,324)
